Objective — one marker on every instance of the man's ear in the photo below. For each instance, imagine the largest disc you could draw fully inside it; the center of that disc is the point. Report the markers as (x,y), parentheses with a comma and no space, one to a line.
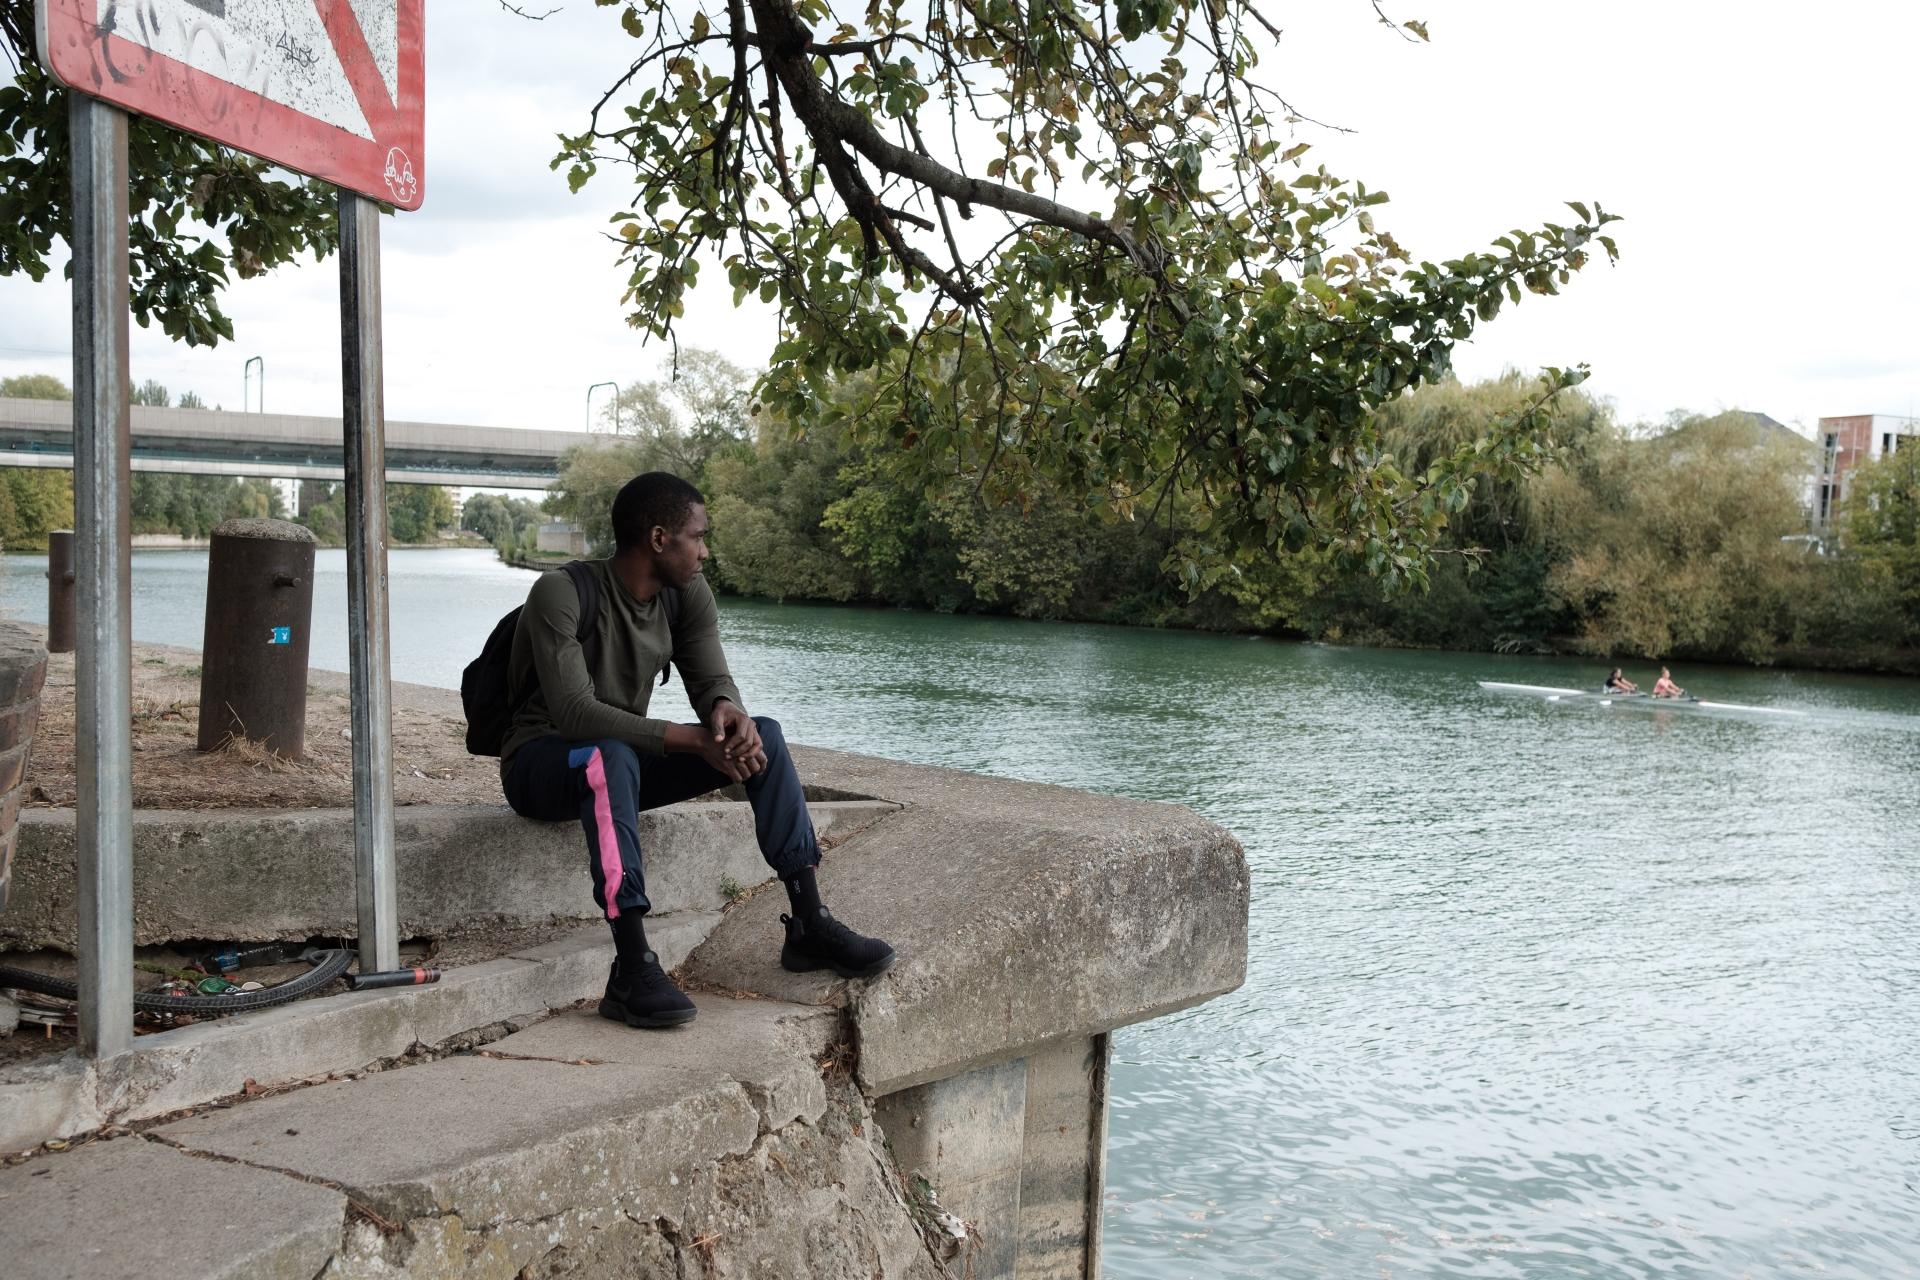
(657,538)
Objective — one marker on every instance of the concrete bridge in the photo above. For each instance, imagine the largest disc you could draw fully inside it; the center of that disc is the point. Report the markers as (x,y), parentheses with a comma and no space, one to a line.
(39,433)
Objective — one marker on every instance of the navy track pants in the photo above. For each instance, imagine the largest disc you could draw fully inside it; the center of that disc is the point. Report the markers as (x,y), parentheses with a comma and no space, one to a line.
(605,784)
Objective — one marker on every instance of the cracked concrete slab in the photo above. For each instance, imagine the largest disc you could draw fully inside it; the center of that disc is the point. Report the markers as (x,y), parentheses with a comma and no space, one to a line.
(1022,913)
(345,1031)
(135,1209)
(772,1050)
(808,1199)
(582,1147)
(544,1121)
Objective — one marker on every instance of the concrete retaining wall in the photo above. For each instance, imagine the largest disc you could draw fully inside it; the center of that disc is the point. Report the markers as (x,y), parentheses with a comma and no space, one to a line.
(945,1119)
(245,875)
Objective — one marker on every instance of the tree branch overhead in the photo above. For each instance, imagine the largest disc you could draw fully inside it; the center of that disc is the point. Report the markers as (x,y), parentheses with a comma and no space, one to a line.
(1162,241)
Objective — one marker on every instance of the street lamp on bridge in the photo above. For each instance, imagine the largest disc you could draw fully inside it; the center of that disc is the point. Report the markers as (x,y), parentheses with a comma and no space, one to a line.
(616,405)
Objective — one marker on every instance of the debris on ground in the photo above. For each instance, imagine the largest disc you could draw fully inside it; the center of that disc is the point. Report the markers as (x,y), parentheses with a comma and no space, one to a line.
(431,764)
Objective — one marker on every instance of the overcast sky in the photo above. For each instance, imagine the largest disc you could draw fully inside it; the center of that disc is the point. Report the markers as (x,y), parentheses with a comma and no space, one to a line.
(1764,167)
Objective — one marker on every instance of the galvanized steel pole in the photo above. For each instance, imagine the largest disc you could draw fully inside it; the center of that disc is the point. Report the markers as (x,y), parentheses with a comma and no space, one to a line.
(364,419)
(103,660)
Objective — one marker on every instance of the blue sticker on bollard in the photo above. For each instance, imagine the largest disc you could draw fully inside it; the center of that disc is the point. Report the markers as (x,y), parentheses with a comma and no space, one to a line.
(282,635)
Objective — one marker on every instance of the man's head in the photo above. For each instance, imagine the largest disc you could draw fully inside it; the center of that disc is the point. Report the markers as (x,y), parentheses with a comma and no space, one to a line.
(664,518)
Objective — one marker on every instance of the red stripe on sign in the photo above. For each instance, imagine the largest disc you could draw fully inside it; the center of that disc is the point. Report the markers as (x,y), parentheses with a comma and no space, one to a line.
(94,57)
(363,73)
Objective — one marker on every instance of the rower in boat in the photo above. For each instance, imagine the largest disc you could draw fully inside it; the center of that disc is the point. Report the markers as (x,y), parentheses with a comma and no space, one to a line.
(1664,687)
(1618,683)
(1610,696)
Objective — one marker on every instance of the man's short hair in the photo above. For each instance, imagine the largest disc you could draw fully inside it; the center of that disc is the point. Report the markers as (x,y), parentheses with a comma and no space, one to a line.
(655,498)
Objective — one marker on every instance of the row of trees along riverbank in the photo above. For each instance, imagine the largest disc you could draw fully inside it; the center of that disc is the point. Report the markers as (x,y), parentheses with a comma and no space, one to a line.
(1682,540)
(34,501)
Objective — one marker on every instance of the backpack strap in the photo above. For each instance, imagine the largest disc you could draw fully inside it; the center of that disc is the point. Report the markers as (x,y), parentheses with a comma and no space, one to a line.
(670,597)
(588,588)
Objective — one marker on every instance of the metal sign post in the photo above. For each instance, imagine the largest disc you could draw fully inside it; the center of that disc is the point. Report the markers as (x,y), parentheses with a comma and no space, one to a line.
(331,88)
(103,659)
(364,420)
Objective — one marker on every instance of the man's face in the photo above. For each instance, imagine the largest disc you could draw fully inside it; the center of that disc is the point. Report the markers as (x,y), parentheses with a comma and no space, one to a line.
(678,556)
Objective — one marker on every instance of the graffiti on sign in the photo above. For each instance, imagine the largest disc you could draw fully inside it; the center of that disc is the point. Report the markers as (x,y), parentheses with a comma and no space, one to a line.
(333,88)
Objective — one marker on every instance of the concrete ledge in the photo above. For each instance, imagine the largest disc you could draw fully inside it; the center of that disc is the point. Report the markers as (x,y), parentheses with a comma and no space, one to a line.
(679,1100)
(1030,921)
(578,1147)
(184,1067)
(288,874)
(1023,914)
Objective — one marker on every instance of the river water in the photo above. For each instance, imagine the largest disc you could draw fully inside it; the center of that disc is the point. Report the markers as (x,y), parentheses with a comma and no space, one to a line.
(1535,990)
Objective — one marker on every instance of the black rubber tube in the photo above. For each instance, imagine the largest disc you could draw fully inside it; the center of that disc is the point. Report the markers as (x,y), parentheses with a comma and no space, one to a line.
(327,965)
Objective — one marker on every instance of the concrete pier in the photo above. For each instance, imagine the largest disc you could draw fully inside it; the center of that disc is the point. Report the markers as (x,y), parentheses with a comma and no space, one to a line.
(800,1126)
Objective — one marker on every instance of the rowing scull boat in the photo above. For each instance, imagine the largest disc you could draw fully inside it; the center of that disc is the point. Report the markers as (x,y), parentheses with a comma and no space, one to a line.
(1555,694)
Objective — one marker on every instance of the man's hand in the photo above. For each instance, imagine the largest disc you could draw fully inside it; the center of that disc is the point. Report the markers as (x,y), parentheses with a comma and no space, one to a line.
(737,740)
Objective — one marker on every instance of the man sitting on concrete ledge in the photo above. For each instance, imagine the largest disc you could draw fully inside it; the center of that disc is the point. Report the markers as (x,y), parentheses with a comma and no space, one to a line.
(581,744)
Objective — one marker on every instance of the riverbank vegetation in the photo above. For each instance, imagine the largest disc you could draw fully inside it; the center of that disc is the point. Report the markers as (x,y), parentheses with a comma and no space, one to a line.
(1685,539)
(512,525)
(1147,294)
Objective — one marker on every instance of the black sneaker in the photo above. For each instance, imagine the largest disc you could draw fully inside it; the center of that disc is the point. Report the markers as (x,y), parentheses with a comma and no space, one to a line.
(646,998)
(825,943)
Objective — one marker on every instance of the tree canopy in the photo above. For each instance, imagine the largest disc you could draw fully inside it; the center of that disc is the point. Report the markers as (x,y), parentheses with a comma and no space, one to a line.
(1676,544)
(497,518)
(1881,520)
(1072,249)
(197,210)
(35,386)
(1077,247)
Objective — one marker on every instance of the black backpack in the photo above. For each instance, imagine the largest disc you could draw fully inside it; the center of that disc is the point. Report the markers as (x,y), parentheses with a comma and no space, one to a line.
(483,685)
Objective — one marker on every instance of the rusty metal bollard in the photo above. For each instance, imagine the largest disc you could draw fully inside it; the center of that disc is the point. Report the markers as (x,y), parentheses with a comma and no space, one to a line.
(253,665)
(60,592)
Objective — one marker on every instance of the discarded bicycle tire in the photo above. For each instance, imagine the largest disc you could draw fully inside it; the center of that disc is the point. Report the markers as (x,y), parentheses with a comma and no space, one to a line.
(328,965)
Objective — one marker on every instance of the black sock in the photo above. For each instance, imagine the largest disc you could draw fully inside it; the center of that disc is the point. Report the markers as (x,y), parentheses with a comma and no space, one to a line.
(629,938)
(803,892)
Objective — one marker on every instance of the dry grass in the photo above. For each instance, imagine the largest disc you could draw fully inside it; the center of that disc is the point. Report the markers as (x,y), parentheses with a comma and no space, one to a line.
(431,765)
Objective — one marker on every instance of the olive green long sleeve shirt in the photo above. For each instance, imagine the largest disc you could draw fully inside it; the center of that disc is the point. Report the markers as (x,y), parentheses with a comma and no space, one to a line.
(553,691)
